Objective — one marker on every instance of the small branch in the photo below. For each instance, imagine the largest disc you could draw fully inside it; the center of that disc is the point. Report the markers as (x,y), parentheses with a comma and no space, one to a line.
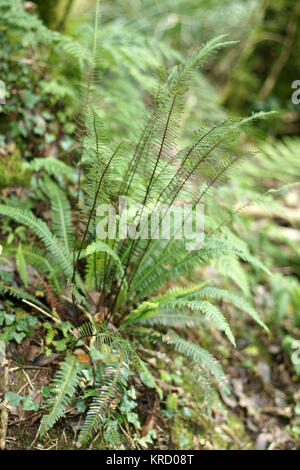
(41,310)
(4,412)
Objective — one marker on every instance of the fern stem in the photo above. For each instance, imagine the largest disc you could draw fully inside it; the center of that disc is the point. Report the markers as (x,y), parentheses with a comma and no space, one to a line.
(93,208)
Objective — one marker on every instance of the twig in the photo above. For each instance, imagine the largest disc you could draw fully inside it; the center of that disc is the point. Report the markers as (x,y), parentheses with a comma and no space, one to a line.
(28,367)
(4,412)
(41,310)
(28,379)
(35,438)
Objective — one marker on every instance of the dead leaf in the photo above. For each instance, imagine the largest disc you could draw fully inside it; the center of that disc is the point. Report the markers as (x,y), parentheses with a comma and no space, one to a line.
(83,358)
(43,360)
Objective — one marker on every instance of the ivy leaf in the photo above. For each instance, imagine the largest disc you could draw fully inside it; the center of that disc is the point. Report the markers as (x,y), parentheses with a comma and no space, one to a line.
(127,405)
(134,419)
(13,398)
(9,319)
(28,404)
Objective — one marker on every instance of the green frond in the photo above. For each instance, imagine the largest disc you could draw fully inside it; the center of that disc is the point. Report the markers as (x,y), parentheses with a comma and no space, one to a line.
(110,381)
(100,246)
(20,294)
(215,293)
(52,166)
(208,309)
(64,388)
(230,267)
(150,309)
(274,153)
(120,346)
(37,258)
(176,318)
(199,356)
(41,229)
(61,214)
(21,265)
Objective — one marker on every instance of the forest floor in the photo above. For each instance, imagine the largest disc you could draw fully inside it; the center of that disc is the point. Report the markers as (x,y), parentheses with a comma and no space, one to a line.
(261,412)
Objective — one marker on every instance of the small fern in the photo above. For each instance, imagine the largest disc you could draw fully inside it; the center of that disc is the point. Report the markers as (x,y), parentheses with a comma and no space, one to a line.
(198,355)
(109,384)
(64,388)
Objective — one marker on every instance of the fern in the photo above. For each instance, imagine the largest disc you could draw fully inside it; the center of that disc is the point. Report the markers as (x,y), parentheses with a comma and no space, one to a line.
(198,355)
(20,294)
(42,231)
(176,318)
(51,165)
(208,309)
(109,384)
(110,378)
(64,389)
(61,214)
(215,293)
(99,246)
(21,265)
(126,273)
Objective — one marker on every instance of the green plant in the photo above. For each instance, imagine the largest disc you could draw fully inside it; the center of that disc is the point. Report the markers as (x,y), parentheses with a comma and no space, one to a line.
(15,324)
(127,273)
(267,192)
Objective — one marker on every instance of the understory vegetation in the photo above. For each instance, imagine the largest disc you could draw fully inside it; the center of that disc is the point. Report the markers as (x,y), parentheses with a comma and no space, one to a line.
(149,339)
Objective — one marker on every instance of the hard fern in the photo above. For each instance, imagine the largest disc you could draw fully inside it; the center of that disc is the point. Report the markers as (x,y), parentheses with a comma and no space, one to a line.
(40,228)
(61,214)
(199,356)
(109,384)
(126,273)
(110,378)
(64,388)
(21,265)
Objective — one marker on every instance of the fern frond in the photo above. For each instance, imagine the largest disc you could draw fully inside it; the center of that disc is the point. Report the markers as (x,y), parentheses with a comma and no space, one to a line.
(42,231)
(199,356)
(65,384)
(208,309)
(176,318)
(52,166)
(20,294)
(21,265)
(99,246)
(109,384)
(119,345)
(61,214)
(150,309)
(215,293)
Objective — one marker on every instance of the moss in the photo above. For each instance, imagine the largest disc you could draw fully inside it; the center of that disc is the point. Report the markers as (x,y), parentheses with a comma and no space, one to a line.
(236,425)
(12,171)
(238,428)
(220,442)
(182,434)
